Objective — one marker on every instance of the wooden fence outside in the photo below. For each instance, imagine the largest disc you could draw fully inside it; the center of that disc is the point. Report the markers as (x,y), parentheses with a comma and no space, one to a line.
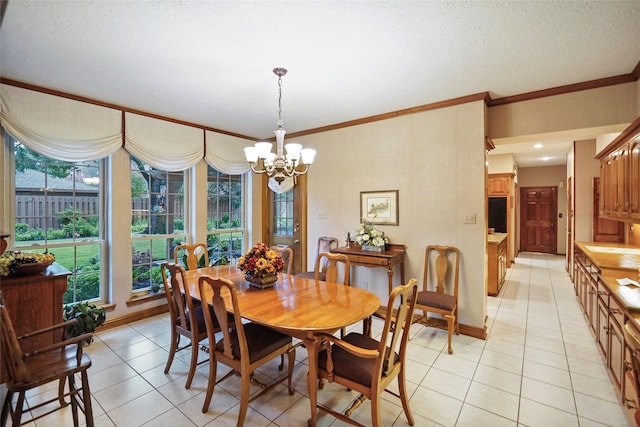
(42,212)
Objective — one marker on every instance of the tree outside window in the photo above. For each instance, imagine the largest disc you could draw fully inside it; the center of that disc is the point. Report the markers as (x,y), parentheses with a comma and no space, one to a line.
(157,222)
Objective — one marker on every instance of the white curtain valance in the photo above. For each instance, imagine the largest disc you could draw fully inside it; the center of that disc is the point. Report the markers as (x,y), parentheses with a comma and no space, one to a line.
(226,153)
(70,130)
(162,144)
(58,127)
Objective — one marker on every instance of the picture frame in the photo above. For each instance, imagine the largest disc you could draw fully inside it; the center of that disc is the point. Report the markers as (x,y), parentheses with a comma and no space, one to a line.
(379,207)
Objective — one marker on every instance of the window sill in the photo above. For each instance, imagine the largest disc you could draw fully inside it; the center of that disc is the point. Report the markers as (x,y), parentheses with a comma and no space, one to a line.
(144,298)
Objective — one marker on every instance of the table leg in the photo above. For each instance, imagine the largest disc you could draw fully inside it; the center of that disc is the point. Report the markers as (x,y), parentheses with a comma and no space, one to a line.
(313,346)
(390,275)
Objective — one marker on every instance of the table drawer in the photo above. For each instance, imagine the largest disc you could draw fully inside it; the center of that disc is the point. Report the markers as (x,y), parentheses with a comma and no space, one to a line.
(362,259)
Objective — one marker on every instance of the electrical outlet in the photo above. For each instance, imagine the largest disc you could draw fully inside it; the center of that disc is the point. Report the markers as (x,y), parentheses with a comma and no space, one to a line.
(470,219)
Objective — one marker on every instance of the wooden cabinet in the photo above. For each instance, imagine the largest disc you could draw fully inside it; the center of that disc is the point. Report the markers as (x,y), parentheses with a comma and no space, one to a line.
(620,176)
(597,290)
(609,335)
(586,288)
(497,262)
(629,396)
(498,185)
(634,178)
(35,302)
(615,356)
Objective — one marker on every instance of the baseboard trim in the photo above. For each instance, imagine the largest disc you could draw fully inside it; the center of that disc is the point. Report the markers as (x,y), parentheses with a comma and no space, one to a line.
(473,331)
(132,317)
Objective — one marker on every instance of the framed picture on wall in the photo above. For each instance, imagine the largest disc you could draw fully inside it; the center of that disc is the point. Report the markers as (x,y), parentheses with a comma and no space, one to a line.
(379,207)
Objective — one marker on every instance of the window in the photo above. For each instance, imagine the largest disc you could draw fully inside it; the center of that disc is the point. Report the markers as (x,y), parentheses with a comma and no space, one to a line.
(283,213)
(157,222)
(225,226)
(58,208)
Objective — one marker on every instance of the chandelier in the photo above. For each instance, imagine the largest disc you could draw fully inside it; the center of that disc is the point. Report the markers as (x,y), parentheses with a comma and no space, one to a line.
(278,165)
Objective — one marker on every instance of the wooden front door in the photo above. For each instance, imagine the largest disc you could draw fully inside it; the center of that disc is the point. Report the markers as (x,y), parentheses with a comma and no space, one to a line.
(538,229)
(604,230)
(287,222)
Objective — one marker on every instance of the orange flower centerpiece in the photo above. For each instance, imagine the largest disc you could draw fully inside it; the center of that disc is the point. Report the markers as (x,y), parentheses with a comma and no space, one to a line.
(261,265)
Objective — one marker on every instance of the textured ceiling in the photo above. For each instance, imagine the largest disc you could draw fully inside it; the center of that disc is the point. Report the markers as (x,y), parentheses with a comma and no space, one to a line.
(210,62)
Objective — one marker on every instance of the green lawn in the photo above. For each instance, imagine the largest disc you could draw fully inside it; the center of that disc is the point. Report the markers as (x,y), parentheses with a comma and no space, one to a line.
(76,257)
(70,256)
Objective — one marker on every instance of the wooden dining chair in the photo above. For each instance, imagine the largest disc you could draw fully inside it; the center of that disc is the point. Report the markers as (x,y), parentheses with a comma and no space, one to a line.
(186,316)
(332,267)
(368,366)
(325,244)
(287,256)
(191,256)
(58,362)
(633,344)
(243,346)
(439,294)
(337,269)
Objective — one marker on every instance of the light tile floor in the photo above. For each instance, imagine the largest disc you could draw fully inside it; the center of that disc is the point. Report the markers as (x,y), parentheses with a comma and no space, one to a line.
(538,367)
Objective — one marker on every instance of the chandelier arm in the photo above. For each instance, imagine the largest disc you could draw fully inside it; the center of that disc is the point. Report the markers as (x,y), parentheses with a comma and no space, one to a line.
(302,172)
(253,168)
(290,168)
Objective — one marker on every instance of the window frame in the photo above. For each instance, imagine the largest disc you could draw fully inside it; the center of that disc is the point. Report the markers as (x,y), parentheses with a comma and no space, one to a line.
(242,230)
(171,239)
(9,222)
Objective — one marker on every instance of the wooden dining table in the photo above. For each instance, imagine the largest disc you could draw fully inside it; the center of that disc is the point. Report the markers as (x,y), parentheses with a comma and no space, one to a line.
(296,306)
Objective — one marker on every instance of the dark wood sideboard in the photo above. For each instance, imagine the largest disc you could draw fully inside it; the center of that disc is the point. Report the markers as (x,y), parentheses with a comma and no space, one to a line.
(34,302)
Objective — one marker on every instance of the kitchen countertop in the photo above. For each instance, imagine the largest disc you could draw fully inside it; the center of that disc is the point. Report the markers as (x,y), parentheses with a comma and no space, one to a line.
(616,261)
(494,238)
(612,255)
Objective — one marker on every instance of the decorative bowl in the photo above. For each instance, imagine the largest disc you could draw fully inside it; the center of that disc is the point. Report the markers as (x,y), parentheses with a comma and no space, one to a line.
(31,268)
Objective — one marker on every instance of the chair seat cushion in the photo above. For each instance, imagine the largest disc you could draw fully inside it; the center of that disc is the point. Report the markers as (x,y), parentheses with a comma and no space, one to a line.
(350,366)
(436,300)
(260,340)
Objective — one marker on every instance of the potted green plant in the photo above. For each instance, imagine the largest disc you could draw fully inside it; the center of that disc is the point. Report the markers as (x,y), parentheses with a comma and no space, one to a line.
(88,317)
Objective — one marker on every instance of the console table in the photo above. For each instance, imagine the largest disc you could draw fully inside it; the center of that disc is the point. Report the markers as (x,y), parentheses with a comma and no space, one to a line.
(388,258)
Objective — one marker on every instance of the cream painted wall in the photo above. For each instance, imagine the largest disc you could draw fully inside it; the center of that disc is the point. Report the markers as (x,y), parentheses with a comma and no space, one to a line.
(570,187)
(603,140)
(586,168)
(436,161)
(502,163)
(550,176)
(577,110)
(119,213)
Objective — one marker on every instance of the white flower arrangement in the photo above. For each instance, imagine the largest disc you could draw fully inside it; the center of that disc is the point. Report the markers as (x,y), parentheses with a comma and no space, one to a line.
(367,235)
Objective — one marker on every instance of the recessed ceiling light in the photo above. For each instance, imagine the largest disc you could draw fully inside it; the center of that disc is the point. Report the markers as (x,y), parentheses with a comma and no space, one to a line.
(538,146)
(546,158)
